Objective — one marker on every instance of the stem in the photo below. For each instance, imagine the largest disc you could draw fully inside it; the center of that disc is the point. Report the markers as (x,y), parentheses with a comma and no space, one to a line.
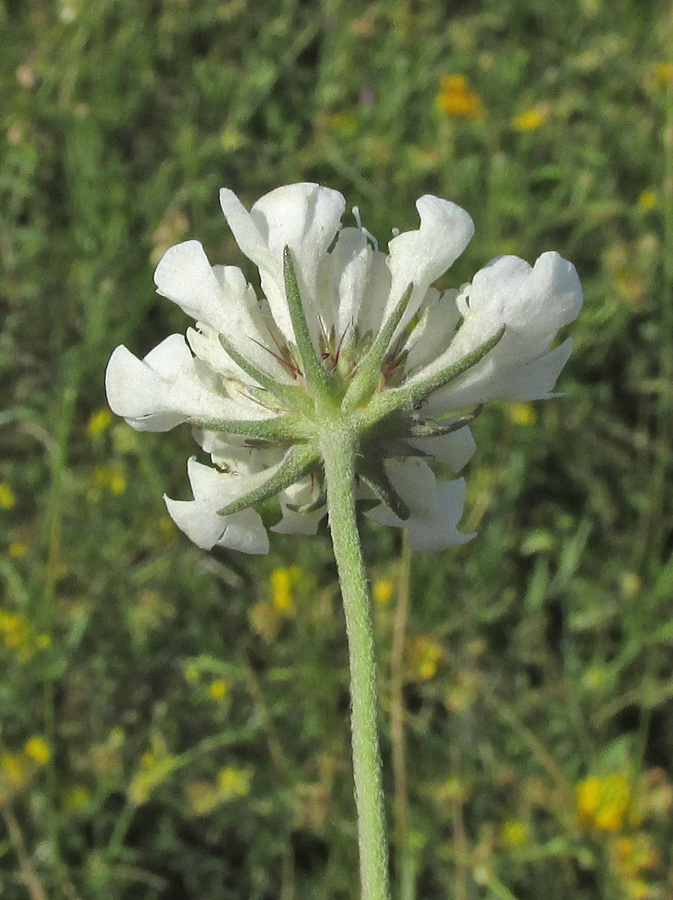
(339,446)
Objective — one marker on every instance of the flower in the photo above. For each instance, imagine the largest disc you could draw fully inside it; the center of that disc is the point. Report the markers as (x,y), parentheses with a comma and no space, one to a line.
(457,99)
(530,119)
(345,337)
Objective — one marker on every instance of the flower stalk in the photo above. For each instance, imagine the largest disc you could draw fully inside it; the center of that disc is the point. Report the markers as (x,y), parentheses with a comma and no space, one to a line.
(339,448)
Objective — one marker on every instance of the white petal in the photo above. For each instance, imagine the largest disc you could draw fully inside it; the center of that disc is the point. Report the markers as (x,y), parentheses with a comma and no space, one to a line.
(437,324)
(422,256)
(165,389)
(454,449)
(185,276)
(217,296)
(198,519)
(435,507)
(212,490)
(532,302)
(532,380)
(294,522)
(304,217)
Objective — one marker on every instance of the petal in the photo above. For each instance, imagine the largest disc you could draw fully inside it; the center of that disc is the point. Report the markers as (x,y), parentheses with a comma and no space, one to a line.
(435,507)
(437,325)
(304,217)
(533,302)
(532,380)
(454,449)
(165,389)
(199,518)
(217,296)
(294,522)
(422,256)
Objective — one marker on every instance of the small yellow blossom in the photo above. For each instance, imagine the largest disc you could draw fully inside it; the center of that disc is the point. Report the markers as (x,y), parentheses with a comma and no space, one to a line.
(283,580)
(153,770)
(522,413)
(343,123)
(99,422)
(424,655)
(647,201)
(218,689)
(233,782)
(17,549)
(14,771)
(15,629)
(457,99)
(633,855)
(515,833)
(530,119)
(383,590)
(7,496)
(107,478)
(38,750)
(603,801)
(76,797)
(663,72)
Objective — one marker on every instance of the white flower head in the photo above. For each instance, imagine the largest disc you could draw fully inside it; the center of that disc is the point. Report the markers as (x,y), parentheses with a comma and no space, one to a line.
(345,336)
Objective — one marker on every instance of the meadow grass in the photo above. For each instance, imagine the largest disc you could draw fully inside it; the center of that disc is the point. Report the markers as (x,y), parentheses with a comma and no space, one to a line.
(174,724)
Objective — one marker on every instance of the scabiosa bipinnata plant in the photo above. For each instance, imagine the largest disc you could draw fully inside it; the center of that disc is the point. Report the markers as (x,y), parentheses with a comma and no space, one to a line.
(342,385)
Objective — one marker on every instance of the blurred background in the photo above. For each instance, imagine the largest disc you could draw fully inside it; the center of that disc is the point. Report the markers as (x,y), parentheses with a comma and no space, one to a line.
(174,724)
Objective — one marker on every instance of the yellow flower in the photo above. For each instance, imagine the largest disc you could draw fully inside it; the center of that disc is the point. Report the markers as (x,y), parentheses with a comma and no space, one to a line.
(76,797)
(603,801)
(218,689)
(529,119)
(15,629)
(383,590)
(633,855)
(344,123)
(515,833)
(457,99)
(38,750)
(424,655)
(7,496)
(647,201)
(107,478)
(14,771)
(663,72)
(233,782)
(282,582)
(522,413)
(99,422)
(17,549)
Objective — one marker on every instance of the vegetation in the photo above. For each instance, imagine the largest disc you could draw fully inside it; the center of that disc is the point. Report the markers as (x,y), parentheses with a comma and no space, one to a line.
(174,724)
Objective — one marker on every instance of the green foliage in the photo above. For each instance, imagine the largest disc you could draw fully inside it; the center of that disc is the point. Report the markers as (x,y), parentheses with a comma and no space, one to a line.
(175,724)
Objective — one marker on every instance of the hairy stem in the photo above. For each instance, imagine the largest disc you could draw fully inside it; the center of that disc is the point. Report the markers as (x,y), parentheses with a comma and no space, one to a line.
(339,448)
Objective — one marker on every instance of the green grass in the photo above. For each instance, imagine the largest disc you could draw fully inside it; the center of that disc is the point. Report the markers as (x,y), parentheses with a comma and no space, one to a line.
(198,736)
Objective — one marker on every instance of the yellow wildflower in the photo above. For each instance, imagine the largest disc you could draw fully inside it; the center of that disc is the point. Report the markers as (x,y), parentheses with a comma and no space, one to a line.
(107,478)
(7,496)
(530,119)
(522,413)
(38,750)
(663,72)
(15,629)
(633,855)
(218,689)
(647,201)
(424,655)
(383,590)
(99,421)
(515,833)
(457,99)
(76,797)
(233,782)
(14,771)
(17,549)
(603,801)
(343,123)
(283,580)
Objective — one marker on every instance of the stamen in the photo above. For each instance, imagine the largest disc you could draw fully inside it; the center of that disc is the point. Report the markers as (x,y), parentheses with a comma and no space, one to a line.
(367,234)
